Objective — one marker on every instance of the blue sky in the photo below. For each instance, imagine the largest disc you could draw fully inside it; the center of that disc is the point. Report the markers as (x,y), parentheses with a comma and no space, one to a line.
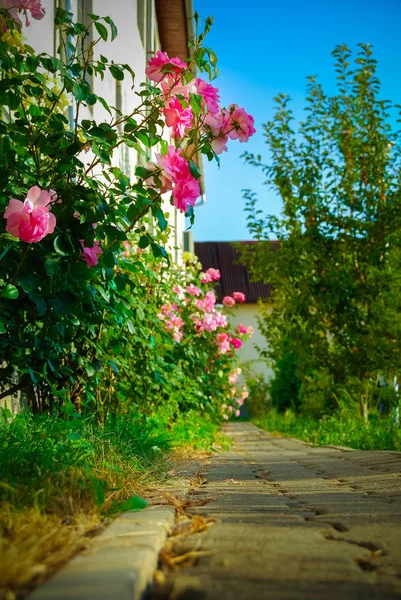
(268,47)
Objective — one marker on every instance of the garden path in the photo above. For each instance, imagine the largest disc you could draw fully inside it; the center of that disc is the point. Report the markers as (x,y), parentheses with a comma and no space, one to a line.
(293,522)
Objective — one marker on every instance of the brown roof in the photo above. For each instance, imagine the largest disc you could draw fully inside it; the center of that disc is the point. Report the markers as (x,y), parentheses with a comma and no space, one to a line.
(235,277)
(173,21)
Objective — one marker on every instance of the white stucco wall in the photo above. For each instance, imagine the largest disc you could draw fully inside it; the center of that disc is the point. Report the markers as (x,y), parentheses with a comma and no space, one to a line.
(247,314)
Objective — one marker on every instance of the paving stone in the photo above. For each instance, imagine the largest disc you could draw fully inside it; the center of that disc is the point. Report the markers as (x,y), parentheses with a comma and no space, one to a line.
(294,522)
(120,563)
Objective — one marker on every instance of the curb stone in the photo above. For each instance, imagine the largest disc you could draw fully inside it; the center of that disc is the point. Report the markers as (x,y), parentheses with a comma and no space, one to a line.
(120,563)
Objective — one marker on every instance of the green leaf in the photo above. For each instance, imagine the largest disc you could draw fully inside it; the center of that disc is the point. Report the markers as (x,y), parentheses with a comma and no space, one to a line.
(10,292)
(163,147)
(108,259)
(142,172)
(159,215)
(144,138)
(114,366)
(195,101)
(194,170)
(52,264)
(135,504)
(102,31)
(144,241)
(28,282)
(80,92)
(61,246)
(117,72)
(113,28)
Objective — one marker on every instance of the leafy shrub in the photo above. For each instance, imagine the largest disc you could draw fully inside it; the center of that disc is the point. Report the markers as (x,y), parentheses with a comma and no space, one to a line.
(78,309)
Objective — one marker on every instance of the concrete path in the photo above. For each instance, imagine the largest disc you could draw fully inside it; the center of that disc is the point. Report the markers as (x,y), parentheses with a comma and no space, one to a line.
(293,522)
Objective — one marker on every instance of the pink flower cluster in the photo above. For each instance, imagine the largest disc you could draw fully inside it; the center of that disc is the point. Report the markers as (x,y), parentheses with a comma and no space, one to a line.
(176,176)
(209,321)
(172,320)
(208,303)
(225,340)
(23,6)
(242,330)
(231,300)
(218,124)
(31,220)
(193,290)
(210,275)
(233,123)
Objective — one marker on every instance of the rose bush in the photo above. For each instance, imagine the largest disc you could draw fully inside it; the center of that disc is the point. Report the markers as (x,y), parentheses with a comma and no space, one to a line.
(82,278)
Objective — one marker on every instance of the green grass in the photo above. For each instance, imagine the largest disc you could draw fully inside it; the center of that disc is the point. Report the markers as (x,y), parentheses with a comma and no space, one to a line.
(380,433)
(61,476)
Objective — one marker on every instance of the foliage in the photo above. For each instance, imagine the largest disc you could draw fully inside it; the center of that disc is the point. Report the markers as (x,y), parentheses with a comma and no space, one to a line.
(335,268)
(78,322)
(379,433)
(259,399)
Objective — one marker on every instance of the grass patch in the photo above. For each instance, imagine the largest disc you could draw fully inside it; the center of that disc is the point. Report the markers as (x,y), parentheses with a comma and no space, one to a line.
(60,478)
(380,433)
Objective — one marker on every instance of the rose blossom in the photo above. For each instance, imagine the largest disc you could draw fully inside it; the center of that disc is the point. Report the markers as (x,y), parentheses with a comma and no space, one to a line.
(205,278)
(185,188)
(214,274)
(239,297)
(242,329)
(228,301)
(240,125)
(193,290)
(209,94)
(217,124)
(90,255)
(223,343)
(177,117)
(34,7)
(30,221)
(157,62)
(236,343)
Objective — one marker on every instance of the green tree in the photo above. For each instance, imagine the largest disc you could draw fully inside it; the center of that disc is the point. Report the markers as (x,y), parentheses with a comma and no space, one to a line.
(334,272)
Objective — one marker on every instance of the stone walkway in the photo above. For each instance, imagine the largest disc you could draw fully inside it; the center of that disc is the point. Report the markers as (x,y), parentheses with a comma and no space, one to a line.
(294,522)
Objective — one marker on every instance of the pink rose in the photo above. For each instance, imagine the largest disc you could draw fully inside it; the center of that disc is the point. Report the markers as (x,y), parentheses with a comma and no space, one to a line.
(171,82)
(239,297)
(205,278)
(236,343)
(22,6)
(217,124)
(209,94)
(185,192)
(228,301)
(223,343)
(242,329)
(237,412)
(214,274)
(155,70)
(177,117)
(193,290)
(185,188)
(30,221)
(90,255)
(240,125)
